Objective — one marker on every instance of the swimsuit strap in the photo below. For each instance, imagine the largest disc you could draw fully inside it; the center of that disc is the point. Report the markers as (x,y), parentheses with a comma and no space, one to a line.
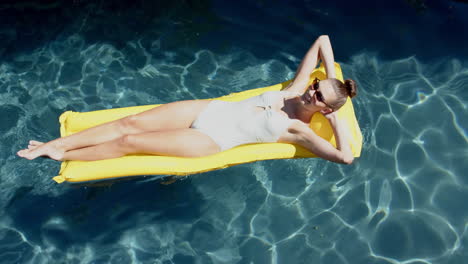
(267,99)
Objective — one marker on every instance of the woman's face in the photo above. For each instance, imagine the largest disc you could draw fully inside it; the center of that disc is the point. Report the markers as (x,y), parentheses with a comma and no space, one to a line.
(319,96)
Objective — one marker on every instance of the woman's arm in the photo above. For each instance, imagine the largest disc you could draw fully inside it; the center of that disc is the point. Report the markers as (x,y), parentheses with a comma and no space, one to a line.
(340,130)
(299,133)
(320,49)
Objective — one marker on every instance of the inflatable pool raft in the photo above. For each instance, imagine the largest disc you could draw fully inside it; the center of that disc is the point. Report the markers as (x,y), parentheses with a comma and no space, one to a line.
(133,165)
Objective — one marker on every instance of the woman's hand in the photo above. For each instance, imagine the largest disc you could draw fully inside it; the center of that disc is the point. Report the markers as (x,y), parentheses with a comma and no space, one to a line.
(332,116)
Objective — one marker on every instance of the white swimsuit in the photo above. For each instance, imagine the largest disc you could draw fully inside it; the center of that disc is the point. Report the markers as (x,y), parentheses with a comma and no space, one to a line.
(231,124)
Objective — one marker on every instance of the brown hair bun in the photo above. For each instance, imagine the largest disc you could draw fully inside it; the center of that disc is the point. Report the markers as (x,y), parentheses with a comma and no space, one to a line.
(351,87)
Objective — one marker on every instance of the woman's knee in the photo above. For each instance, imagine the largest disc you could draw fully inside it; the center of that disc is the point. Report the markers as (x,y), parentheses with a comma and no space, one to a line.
(127,143)
(128,125)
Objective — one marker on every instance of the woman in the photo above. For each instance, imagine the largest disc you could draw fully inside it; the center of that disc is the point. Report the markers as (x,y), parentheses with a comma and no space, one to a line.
(204,127)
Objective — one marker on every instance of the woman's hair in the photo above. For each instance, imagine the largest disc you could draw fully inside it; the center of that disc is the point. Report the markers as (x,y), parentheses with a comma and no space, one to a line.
(343,90)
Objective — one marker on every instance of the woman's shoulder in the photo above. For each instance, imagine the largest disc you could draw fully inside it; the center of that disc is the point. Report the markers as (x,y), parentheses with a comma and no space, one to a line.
(291,94)
(284,94)
(269,93)
(270,97)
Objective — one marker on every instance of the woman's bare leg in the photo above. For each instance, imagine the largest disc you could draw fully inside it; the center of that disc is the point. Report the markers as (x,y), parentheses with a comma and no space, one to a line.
(170,116)
(180,142)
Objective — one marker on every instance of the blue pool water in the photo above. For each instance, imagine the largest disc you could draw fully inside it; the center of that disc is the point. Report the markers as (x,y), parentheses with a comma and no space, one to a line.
(403,201)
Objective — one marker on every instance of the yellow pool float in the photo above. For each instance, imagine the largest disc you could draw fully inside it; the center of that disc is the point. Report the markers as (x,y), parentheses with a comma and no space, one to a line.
(133,165)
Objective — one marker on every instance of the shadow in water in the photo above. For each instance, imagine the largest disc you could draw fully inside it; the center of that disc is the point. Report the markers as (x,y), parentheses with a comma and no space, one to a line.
(101,214)
(28,25)
(219,26)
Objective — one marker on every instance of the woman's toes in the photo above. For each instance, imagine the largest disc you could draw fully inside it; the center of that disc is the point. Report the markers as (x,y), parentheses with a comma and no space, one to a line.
(22,153)
(35,143)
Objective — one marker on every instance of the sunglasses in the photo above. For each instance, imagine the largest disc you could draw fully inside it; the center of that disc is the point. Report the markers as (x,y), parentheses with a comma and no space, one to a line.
(318,94)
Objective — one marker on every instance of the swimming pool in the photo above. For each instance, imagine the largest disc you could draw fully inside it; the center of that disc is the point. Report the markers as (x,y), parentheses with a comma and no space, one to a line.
(403,201)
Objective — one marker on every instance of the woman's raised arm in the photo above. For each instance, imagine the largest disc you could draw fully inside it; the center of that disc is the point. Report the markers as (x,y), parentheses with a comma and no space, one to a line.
(320,49)
(301,134)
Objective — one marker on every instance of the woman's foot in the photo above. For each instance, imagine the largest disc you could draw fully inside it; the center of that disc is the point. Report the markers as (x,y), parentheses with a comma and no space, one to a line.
(38,149)
(34,144)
